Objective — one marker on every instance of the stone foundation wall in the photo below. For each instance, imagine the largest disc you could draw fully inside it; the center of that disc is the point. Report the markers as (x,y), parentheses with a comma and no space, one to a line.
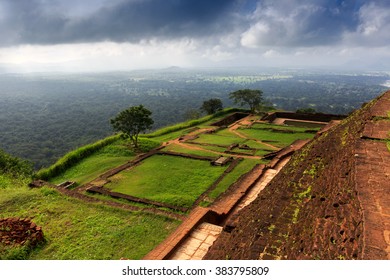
(306,117)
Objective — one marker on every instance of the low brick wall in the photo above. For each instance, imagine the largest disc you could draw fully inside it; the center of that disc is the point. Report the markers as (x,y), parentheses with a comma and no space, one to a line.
(105,191)
(185,155)
(230,119)
(318,117)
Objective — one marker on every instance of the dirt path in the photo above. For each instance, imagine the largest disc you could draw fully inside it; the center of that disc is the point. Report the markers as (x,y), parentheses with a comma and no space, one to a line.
(197,148)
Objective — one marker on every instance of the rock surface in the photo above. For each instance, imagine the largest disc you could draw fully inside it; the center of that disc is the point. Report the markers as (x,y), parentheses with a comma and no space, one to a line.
(331,201)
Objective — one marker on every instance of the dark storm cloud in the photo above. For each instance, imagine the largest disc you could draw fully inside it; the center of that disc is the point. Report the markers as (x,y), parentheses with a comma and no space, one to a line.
(286,23)
(39,22)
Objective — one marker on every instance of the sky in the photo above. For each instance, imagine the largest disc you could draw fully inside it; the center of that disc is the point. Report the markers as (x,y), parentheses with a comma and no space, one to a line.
(109,35)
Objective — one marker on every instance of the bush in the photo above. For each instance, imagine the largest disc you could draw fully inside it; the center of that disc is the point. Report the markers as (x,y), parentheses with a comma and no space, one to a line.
(14,166)
(74,157)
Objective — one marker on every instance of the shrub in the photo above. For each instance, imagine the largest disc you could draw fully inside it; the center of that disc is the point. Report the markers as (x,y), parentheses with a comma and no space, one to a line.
(14,166)
(74,157)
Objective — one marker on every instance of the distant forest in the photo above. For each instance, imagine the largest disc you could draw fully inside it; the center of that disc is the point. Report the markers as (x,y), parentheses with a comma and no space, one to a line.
(43,116)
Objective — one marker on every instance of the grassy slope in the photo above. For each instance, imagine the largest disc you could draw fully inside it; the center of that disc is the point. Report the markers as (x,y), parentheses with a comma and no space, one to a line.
(76,230)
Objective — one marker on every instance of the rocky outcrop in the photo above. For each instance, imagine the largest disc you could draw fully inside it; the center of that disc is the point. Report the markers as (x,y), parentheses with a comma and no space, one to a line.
(329,202)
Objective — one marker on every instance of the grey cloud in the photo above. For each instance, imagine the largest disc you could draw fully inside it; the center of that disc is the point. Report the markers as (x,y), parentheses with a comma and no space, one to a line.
(301,23)
(373,28)
(30,21)
(275,23)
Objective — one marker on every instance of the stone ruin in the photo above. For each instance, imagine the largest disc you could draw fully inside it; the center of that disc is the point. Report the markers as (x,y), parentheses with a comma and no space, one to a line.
(37,184)
(66,184)
(221,161)
(16,231)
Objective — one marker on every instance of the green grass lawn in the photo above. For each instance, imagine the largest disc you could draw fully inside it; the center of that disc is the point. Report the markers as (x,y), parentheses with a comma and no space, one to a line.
(219,138)
(282,127)
(257,145)
(77,230)
(179,149)
(243,167)
(282,139)
(305,125)
(171,136)
(109,157)
(169,179)
(90,168)
(210,148)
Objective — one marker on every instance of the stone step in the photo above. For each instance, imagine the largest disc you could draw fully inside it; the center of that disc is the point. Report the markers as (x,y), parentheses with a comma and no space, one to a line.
(197,243)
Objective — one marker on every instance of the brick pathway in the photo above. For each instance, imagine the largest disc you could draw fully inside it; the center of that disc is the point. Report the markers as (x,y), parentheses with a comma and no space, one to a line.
(268,175)
(198,243)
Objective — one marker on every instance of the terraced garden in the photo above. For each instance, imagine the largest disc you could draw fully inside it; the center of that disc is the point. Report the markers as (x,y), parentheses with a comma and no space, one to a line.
(168,181)
(181,181)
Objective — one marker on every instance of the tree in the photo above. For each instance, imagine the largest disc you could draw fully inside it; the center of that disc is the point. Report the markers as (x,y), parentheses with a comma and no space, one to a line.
(191,114)
(132,121)
(211,106)
(251,97)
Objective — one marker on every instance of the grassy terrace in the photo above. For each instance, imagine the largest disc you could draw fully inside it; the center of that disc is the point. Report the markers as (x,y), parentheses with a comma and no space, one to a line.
(160,178)
(174,180)
(77,230)
(86,163)
(279,139)
(219,138)
(205,150)
(266,126)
